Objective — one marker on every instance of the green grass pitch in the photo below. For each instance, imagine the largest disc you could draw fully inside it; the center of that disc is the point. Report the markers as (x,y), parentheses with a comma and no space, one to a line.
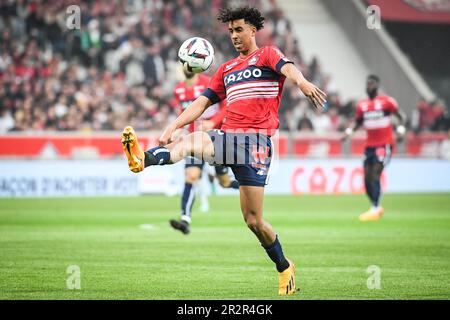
(125,248)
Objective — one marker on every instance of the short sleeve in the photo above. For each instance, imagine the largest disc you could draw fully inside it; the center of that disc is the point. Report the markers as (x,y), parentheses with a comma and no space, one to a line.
(215,91)
(275,59)
(392,104)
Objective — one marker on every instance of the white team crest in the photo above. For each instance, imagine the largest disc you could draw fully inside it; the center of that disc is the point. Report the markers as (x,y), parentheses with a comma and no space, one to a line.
(253,60)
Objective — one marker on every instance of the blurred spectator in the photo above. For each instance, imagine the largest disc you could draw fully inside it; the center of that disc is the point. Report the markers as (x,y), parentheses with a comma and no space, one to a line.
(6,121)
(420,119)
(289,107)
(444,150)
(336,122)
(347,110)
(321,122)
(153,66)
(440,117)
(305,124)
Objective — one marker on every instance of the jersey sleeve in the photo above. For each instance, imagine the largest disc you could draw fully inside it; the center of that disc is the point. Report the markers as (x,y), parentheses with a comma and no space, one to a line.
(215,91)
(392,104)
(275,59)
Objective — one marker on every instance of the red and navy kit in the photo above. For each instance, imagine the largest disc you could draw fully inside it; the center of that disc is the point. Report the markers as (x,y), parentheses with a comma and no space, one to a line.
(252,89)
(184,95)
(375,115)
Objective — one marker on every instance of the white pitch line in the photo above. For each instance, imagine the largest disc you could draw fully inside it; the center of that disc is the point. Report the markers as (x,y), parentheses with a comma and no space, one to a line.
(147,226)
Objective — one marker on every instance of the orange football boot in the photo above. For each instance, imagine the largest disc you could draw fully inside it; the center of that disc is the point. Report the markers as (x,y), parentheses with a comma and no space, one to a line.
(286,280)
(372,215)
(133,150)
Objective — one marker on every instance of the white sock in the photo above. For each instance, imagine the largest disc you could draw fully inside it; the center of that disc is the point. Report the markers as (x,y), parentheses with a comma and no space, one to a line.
(203,195)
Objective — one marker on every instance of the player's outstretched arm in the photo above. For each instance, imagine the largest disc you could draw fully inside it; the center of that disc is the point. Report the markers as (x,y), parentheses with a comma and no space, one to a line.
(190,114)
(349,131)
(314,94)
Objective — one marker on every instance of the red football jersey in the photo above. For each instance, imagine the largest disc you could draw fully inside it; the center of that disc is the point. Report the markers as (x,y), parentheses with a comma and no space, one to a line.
(185,95)
(252,87)
(376,117)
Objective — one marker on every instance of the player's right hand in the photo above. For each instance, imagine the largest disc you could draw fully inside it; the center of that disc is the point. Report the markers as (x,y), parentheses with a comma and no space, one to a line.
(166,136)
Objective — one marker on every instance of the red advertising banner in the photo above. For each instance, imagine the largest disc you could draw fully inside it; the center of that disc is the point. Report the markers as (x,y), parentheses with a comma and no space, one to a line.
(82,146)
(419,11)
(428,145)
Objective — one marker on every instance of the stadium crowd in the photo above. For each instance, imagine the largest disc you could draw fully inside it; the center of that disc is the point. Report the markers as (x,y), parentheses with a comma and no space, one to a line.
(121,66)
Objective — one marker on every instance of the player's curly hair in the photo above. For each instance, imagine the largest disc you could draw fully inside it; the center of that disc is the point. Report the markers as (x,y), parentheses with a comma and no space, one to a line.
(250,15)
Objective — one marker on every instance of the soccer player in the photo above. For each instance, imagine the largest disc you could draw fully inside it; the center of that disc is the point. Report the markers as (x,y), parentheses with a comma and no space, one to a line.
(185,93)
(252,86)
(374,113)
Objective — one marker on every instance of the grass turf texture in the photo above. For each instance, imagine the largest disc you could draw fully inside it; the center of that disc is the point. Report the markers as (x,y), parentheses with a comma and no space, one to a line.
(221,258)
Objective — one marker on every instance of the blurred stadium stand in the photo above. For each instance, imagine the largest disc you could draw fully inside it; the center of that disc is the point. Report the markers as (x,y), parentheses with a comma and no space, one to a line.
(68,93)
(322,38)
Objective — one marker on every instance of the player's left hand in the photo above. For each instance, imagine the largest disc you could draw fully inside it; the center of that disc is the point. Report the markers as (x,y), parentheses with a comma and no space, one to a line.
(314,94)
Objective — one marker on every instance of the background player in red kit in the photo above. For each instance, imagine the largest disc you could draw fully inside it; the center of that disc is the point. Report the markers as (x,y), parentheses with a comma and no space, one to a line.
(251,84)
(185,93)
(374,113)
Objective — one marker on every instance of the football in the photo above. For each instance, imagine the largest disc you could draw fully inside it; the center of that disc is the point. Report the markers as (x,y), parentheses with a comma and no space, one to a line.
(196,55)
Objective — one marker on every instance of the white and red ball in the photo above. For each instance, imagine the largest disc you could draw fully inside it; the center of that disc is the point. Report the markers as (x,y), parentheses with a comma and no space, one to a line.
(196,55)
